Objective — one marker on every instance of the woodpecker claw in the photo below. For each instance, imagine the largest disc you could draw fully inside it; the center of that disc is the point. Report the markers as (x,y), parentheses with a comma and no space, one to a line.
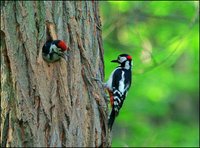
(98,80)
(107,98)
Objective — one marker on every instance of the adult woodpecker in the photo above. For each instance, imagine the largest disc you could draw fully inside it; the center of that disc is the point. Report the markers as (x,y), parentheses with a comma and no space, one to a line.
(53,50)
(118,85)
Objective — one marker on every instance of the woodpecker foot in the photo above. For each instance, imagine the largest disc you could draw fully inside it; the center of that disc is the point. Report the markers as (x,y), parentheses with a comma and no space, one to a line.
(102,106)
(107,98)
(96,79)
(99,80)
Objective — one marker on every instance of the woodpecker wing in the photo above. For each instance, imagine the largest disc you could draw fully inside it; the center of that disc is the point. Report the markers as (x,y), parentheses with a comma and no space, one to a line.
(120,81)
(120,84)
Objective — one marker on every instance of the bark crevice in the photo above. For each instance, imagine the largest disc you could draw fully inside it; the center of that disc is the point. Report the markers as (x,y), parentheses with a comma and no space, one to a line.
(52,104)
(5,131)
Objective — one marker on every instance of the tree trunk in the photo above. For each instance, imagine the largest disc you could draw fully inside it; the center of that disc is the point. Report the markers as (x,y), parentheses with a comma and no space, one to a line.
(52,104)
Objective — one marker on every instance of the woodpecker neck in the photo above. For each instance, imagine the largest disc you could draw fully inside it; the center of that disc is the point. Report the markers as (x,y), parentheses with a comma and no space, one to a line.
(126,65)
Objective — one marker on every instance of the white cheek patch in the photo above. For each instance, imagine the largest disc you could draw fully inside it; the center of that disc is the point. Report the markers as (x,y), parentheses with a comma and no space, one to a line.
(122,59)
(110,80)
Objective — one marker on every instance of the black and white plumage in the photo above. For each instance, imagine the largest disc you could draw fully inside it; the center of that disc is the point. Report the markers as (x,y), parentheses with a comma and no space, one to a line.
(118,84)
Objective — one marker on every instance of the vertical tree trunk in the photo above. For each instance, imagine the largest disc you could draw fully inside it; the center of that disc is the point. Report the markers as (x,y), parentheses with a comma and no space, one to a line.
(51,104)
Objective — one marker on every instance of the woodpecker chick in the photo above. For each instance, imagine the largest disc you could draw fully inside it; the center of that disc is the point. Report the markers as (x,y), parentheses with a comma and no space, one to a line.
(53,50)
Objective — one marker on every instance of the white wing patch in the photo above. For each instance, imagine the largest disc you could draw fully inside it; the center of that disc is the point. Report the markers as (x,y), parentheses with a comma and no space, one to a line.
(110,80)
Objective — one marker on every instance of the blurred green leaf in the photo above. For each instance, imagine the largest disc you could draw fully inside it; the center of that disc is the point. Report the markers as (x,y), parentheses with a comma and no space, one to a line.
(163,39)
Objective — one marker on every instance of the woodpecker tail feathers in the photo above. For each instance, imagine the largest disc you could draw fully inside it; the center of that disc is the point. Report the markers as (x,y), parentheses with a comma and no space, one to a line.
(111,119)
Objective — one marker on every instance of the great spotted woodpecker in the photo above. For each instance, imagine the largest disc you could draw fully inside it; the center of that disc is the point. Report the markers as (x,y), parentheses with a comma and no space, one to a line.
(118,85)
(53,50)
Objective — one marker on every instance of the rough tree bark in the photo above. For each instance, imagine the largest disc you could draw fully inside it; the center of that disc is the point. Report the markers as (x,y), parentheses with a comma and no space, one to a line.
(52,104)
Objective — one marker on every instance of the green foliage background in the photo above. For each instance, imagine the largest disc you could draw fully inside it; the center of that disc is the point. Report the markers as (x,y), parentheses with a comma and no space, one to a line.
(162,107)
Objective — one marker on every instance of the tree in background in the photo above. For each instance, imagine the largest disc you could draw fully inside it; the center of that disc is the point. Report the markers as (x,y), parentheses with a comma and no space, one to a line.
(51,104)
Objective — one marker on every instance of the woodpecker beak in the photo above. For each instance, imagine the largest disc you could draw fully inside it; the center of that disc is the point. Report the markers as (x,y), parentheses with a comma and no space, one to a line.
(115,61)
(65,56)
